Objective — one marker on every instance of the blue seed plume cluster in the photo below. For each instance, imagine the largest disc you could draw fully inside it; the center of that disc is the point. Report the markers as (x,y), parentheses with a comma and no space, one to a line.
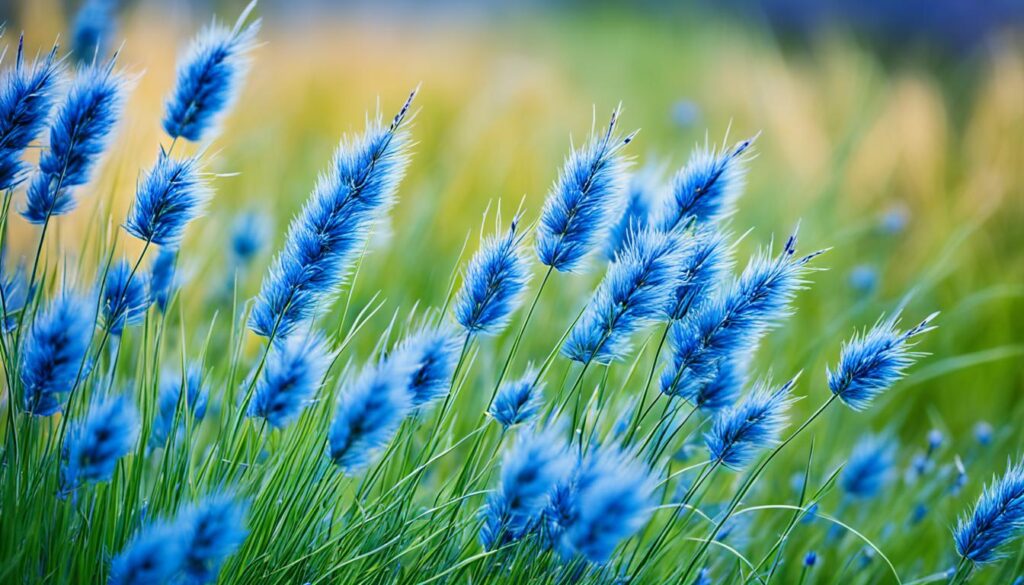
(202,402)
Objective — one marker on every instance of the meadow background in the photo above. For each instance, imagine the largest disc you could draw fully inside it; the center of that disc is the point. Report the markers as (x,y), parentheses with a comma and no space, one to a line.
(903,152)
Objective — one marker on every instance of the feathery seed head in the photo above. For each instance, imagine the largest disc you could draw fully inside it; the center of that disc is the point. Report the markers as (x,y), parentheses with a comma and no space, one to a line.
(644,194)
(94,445)
(870,363)
(249,234)
(705,262)
(172,194)
(290,379)
(611,500)
(370,411)
(194,401)
(154,555)
(78,136)
(54,352)
(724,387)
(209,77)
(530,470)
(997,518)
(14,289)
(215,529)
(93,28)
(517,401)
(434,353)
(163,277)
(706,189)
(581,204)
(634,292)
(26,98)
(327,235)
(735,321)
(124,297)
(869,467)
(493,284)
(741,431)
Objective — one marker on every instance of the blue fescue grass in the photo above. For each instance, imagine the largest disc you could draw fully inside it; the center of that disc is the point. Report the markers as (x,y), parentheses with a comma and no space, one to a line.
(94,445)
(609,500)
(998,518)
(250,233)
(369,412)
(163,277)
(92,30)
(172,194)
(323,241)
(517,401)
(493,285)
(735,320)
(290,380)
(740,432)
(179,395)
(869,467)
(79,134)
(123,299)
(209,76)
(154,555)
(644,195)
(580,206)
(192,450)
(707,188)
(870,363)
(530,470)
(54,352)
(434,353)
(635,292)
(27,92)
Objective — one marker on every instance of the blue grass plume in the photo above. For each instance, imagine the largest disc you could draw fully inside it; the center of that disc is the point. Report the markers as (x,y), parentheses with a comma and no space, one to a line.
(93,29)
(997,518)
(706,189)
(290,379)
(124,297)
(369,412)
(26,99)
(215,529)
(93,446)
(209,76)
(741,431)
(868,468)
(79,134)
(724,388)
(325,238)
(634,292)
(154,555)
(581,204)
(14,289)
(173,405)
(530,470)
(706,262)
(518,401)
(870,363)
(644,194)
(612,497)
(250,232)
(435,353)
(54,351)
(735,320)
(163,280)
(172,194)
(493,284)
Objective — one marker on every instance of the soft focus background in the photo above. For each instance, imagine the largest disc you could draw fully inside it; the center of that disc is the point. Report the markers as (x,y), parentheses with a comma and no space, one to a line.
(893,131)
